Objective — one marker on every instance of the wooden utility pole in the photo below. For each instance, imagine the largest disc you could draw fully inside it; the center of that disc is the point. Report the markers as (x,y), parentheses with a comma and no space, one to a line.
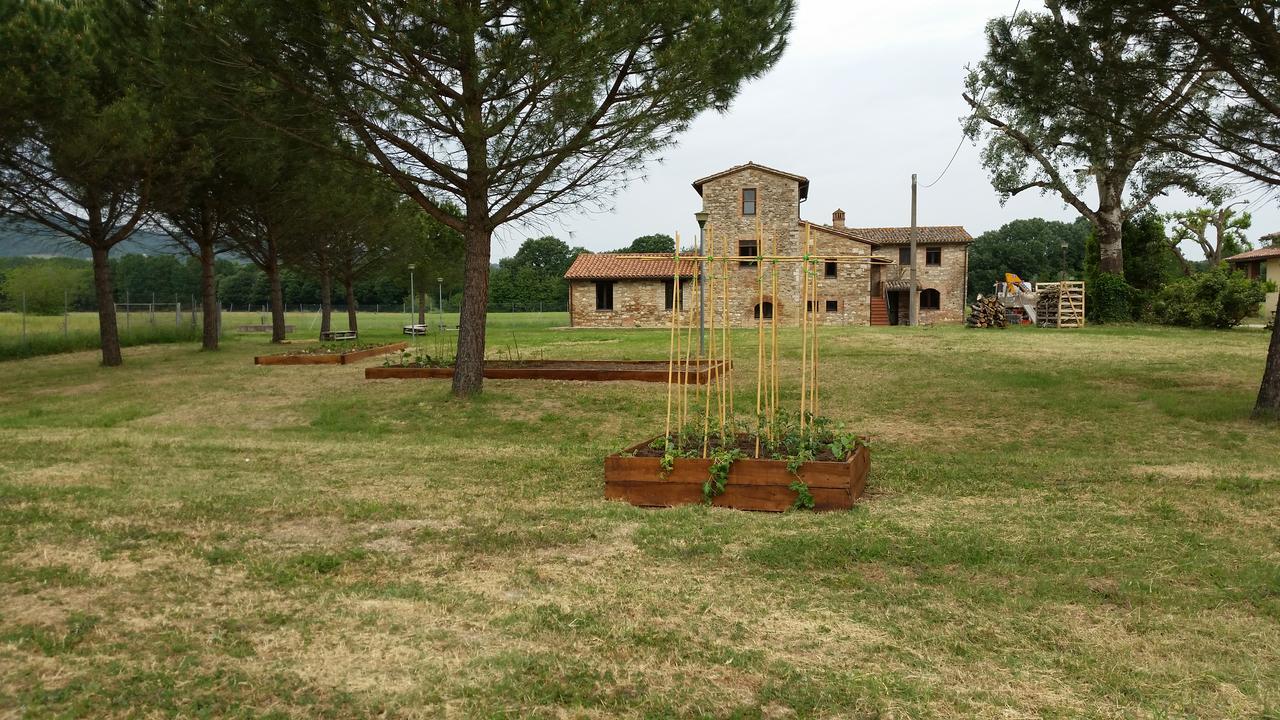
(913,294)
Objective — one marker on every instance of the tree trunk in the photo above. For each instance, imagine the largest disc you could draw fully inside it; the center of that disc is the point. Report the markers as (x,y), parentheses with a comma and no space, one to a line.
(326,301)
(1110,243)
(209,297)
(277,301)
(108,333)
(422,308)
(468,372)
(1268,405)
(349,285)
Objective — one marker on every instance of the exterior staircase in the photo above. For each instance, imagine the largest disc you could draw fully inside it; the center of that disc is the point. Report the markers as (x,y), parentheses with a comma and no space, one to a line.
(879,311)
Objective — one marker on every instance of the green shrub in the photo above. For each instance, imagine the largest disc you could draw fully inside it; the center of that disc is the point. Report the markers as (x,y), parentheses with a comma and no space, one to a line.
(1108,298)
(1216,298)
(46,287)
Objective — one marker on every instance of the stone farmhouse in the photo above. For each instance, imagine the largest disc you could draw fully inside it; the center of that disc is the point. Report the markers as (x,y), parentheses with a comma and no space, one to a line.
(626,290)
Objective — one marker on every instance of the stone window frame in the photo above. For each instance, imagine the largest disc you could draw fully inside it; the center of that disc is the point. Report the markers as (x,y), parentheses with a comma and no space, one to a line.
(772,308)
(936,297)
(755,202)
(604,298)
(930,252)
(743,245)
(832,305)
(904,255)
(830,270)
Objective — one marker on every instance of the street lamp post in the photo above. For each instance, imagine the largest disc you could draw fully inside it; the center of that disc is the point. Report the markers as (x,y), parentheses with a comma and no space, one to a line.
(412,296)
(701,217)
(1064,260)
(440,300)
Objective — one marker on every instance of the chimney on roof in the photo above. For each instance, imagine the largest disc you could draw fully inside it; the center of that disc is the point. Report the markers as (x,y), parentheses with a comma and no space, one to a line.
(837,218)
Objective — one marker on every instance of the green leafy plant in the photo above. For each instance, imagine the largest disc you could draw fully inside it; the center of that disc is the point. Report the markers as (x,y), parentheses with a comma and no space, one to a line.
(804,498)
(722,458)
(1218,298)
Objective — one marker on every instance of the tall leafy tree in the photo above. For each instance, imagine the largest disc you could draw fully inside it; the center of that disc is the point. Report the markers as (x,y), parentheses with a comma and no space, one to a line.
(509,108)
(1073,97)
(86,149)
(1242,41)
(1218,230)
(656,243)
(201,185)
(534,276)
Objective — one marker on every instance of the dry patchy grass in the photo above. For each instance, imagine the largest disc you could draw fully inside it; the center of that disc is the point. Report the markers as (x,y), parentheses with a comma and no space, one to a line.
(1059,524)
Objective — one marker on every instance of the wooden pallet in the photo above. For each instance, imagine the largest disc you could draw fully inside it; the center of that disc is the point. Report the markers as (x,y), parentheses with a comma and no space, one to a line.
(1068,309)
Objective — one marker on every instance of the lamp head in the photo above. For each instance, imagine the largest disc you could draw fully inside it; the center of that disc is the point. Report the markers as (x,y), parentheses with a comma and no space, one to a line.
(701,216)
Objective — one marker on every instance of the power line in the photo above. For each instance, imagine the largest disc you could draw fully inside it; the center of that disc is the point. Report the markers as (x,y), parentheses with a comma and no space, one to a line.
(962,134)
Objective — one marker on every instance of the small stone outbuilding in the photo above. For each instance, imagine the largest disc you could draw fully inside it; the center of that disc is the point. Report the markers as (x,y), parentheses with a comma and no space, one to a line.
(752,204)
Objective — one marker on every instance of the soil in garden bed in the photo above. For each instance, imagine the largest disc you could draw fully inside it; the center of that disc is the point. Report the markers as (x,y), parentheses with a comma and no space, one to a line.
(648,365)
(745,442)
(333,349)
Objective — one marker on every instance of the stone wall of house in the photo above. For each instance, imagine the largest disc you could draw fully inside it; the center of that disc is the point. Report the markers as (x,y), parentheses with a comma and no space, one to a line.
(948,279)
(777,215)
(636,303)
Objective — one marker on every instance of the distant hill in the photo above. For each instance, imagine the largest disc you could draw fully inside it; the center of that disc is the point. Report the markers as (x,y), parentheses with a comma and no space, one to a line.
(22,238)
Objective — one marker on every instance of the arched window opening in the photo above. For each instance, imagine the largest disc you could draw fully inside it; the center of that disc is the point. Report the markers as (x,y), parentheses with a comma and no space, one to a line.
(930,299)
(765,310)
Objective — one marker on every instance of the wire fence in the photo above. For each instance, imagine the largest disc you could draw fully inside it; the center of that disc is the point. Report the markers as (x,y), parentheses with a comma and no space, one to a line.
(51,324)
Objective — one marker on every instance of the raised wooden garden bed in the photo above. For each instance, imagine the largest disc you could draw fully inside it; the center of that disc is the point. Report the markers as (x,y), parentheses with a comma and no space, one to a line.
(330,358)
(590,370)
(752,484)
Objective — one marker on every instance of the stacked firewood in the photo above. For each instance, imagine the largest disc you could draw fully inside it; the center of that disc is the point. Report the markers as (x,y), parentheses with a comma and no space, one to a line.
(987,312)
(1047,306)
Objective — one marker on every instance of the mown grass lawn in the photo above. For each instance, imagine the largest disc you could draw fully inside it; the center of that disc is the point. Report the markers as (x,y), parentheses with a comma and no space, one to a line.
(1059,524)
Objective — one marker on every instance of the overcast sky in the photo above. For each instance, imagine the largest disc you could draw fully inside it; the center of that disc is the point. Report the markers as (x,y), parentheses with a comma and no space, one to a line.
(867,93)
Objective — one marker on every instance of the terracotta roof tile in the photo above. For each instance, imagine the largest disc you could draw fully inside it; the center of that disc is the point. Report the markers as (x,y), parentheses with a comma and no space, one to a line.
(850,233)
(932,234)
(610,266)
(1259,254)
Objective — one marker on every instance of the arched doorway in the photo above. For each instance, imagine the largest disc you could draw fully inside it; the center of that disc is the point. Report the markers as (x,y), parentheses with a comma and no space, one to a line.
(764,309)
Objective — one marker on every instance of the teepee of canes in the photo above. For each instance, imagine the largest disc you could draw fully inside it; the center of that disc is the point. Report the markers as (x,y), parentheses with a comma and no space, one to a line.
(718,396)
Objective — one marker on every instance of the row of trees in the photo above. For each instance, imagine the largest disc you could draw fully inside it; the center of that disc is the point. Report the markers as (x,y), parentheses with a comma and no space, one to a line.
(48,283)
(312,135)
(1132,99)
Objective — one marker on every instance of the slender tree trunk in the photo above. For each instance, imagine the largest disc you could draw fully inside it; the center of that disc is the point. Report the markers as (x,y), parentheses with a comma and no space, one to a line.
(326,301)
(277,301)
(468,373)
(209,295)
(108,333)
(1268,405)
(422,308)
(349,285)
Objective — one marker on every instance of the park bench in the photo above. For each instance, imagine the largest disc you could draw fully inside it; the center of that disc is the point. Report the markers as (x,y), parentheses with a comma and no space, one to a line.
(329,335)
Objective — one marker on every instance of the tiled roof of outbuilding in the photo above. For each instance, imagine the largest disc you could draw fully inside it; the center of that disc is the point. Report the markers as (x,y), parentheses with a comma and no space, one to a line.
(1259,254)
(620,266)
(932,235)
